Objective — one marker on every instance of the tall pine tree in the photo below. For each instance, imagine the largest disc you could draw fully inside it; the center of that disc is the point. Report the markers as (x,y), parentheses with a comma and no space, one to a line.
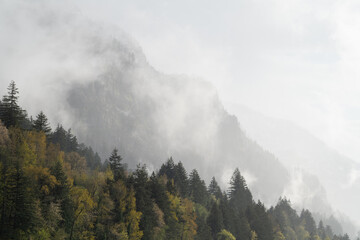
(115,165)
(198,191)
(10,112)
(41,123)
(240,195)
(181,180)
(214,189)
(215,219)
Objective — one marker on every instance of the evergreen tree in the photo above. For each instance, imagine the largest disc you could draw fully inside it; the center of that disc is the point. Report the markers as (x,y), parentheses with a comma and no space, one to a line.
(321,230)
(66,140)
(116,166)
(144,203)
(240,196)
(72,143)
(309,222)
(59,137)
(259,221)
(242,228)
(228,214)
(41,123)
(61,194)
(158,193)
(181,180)
(177,173)
(203,231)
(10,112)
(17,206)
(214,189)
(285,215)
(215,219)
(198,191)
(168,169)
(93,160)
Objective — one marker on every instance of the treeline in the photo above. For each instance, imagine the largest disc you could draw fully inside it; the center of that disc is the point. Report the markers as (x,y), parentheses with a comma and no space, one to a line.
(52,187)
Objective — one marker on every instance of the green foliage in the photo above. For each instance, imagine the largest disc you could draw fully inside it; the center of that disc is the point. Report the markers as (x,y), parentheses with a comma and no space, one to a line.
(309,223)
(93,160)
(215,219)
(66,140)
(259,221)
(10,112)
(214,189)
(144,202)
(240,196)
(41,123)
(181,179)
(198,191)
(203,231)
(116,165)
(52,187)
(177,173)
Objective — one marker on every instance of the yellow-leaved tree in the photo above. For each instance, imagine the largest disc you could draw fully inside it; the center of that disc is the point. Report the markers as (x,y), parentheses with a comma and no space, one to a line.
(225,235)
(182,214)
(253,235)
(82,222)
(37,143)
(133,217)
(279,236)
(188,218)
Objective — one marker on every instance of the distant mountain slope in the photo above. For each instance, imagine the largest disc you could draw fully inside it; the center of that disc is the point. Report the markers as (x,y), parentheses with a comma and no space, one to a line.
(72,66)
(151,116)
(298,149)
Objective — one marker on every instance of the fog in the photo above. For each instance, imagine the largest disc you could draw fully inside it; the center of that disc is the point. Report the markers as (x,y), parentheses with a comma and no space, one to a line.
(160,79)
(295,60)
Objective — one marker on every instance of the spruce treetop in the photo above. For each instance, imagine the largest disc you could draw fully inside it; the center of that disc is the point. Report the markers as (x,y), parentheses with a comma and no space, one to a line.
(10,112)
(41,123)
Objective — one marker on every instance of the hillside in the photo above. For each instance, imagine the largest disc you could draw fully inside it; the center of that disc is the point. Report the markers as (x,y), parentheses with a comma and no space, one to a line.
(52,187)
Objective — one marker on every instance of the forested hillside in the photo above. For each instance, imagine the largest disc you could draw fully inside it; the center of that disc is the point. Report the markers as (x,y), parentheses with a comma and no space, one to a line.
(52,187)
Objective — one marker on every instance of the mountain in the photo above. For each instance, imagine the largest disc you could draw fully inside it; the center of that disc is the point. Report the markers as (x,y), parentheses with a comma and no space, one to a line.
(301,152)
(96,80)
(150,116)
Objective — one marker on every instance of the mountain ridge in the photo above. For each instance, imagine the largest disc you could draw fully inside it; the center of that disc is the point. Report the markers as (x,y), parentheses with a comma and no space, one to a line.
(297,148)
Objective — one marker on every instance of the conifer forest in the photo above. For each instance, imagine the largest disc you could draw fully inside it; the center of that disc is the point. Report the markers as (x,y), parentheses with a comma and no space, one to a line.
(53,187)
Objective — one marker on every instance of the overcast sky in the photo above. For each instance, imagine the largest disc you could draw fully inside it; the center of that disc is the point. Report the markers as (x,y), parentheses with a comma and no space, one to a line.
(290,59)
